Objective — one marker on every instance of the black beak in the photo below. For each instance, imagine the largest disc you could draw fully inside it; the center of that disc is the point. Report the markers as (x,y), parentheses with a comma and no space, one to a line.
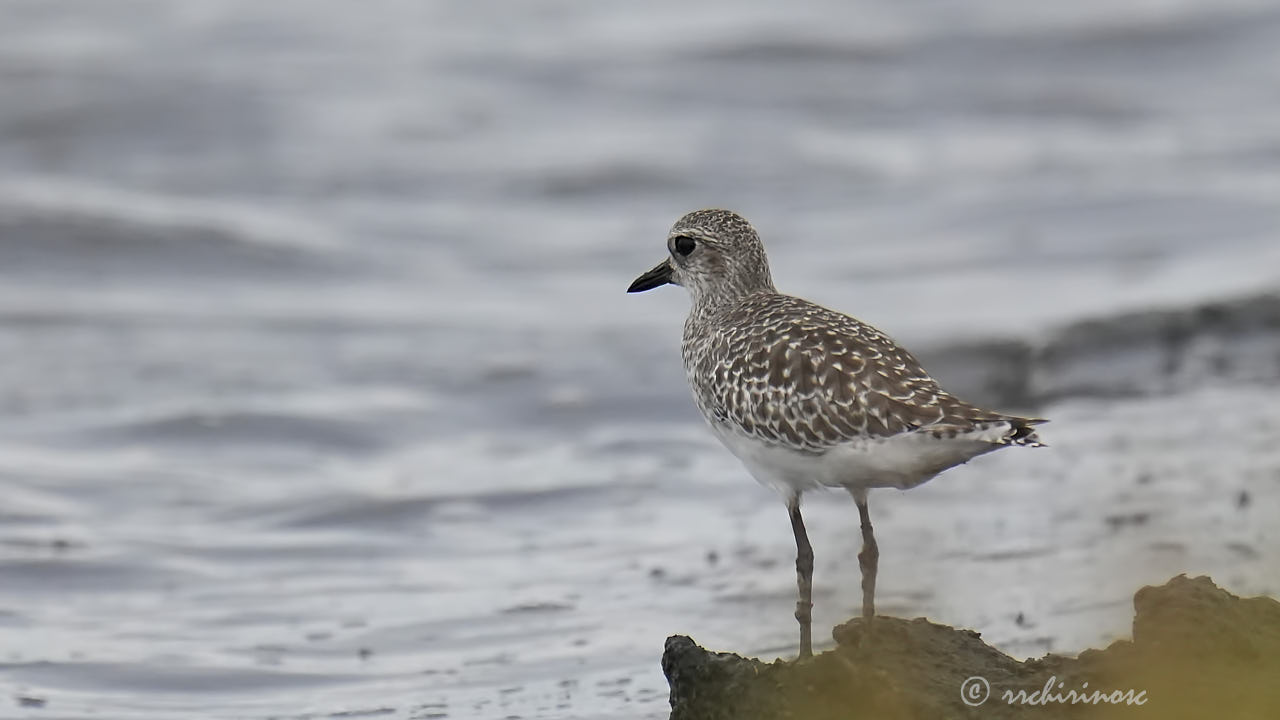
(657,277)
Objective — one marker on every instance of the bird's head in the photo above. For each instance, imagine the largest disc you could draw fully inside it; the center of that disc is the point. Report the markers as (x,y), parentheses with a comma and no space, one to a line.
(714,254)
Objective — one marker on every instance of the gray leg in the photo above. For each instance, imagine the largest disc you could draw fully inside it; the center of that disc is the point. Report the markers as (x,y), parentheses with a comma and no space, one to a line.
(804,578)
(869,558)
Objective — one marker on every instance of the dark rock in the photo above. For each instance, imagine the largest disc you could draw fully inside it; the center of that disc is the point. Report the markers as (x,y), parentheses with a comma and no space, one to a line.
(1158,351)
(1197,651)
(1134,354)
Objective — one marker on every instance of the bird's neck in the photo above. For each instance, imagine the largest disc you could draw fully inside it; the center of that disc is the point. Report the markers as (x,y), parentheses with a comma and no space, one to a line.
(707,307)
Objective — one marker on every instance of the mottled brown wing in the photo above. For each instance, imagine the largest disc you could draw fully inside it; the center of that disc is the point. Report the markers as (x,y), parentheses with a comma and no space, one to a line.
(788,371)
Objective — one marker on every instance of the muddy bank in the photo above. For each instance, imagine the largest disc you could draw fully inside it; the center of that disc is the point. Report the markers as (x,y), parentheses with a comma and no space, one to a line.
(1132,354)
(1197,651)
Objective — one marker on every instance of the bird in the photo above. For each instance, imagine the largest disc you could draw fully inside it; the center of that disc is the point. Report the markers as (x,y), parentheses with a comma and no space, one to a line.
(809,398)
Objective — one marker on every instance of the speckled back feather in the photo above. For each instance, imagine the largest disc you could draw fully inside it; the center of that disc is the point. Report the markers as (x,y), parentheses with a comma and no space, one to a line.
(784,370)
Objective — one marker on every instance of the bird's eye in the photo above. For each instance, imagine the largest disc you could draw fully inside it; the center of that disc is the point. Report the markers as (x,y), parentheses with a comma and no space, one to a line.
(683,244)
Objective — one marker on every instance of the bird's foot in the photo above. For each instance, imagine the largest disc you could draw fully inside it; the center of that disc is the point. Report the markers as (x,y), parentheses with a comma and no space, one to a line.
(857,633)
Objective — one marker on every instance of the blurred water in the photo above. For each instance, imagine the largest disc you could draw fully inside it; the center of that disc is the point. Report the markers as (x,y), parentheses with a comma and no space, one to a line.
(322,397)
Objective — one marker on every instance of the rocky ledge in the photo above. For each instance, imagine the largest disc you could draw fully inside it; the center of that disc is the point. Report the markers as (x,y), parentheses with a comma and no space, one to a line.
(1197,651)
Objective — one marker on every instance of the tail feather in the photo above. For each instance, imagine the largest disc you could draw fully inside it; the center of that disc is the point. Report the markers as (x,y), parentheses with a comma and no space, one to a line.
(1022,431)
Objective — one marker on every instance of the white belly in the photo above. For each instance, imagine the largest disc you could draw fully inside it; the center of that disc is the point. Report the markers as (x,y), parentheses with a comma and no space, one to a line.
(902,461)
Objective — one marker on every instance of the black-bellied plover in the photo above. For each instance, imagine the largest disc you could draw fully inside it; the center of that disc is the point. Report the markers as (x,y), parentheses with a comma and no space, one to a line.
(807,397)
